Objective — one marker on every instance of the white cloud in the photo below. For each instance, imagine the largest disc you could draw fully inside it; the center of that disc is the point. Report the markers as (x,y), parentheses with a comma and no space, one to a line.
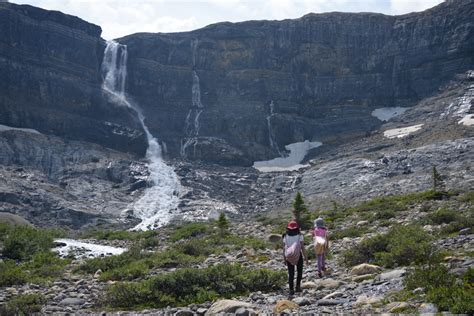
(407,6)
(122,17)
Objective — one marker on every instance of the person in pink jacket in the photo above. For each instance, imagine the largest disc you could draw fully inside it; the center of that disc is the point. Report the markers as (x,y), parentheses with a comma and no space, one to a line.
(321,244)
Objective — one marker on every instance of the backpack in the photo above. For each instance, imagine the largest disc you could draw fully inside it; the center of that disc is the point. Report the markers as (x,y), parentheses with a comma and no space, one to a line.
(320,245)
(293,253)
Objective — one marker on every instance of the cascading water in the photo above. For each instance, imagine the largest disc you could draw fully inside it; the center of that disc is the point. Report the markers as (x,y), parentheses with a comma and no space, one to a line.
(271,134)
(155,206)
(191,125)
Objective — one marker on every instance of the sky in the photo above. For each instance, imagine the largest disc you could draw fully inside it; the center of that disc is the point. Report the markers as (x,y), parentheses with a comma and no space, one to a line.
(123,17)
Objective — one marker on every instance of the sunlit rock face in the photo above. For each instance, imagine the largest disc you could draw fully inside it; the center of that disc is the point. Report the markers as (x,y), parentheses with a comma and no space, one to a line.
(229,93)
(50,80)
(267,84)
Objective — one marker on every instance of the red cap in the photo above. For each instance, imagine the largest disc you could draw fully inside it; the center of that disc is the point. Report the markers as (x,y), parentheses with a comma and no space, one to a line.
(292,225)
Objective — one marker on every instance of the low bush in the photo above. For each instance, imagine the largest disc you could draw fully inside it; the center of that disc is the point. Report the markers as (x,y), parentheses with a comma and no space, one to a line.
(22,242)
(443,216)
(23,305)
(401,245)
(443,288)
(11,274)
(187,286)
(350,232)
(44,266)
(190,230)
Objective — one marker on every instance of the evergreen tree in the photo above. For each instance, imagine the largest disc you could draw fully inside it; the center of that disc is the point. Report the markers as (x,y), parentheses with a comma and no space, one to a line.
(222,224)
(437,180)
(300,211)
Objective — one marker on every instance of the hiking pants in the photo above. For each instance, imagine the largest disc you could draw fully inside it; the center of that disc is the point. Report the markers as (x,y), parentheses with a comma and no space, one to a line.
(291,274)
(321,262)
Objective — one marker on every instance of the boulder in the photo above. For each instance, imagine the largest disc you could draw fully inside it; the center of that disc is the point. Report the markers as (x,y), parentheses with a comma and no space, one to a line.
(427,308)
(285,305)
(331,302)
(228,306)
(308,285)
(13,219)
(397,307)
(274,238)
(302,301)
(390,275)
(368,300)
(365,268)
(364,277)
(328,284)
(72,301)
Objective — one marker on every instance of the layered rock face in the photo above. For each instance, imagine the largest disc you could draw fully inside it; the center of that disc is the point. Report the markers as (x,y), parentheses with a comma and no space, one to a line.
(235,93)
(50,79)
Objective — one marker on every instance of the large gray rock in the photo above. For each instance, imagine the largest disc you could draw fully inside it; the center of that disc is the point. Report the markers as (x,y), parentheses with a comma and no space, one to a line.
(323,73)
(228,306)
(365,268)
(50,79)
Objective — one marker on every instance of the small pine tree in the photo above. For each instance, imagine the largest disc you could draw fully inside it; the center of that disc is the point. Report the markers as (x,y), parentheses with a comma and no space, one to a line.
(300,211)
(222,224)
(437,180)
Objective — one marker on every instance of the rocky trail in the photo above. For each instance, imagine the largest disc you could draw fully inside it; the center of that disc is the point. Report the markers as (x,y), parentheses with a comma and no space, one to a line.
(365,288)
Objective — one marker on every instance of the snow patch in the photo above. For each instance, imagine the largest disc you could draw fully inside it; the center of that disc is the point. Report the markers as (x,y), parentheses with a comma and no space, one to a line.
(290,163)
(467,120)
(82,249)
(385,114)
(9,128)
(402,132)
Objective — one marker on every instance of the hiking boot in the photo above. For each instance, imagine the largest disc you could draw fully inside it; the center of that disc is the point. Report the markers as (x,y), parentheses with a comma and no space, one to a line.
(298,290)
(320,274)
(292,292)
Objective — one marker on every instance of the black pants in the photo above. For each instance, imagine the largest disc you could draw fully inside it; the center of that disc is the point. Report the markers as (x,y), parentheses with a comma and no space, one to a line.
(291,274)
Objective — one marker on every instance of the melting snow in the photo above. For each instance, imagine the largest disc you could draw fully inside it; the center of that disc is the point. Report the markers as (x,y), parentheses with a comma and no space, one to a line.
(401,132)
(290,163)
(9,128)
(85,249)
(461,107)
(385,114)
(467,120)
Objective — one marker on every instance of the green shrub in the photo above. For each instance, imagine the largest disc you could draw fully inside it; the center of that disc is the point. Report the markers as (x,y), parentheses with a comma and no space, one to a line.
(112,262)
(402,245)
(23,305)
(11,274)
(22,242)
(443,216)
(190,230)
(187,286)
(130,271)
(46,265)
(467,197)
(443,288)
(351,231)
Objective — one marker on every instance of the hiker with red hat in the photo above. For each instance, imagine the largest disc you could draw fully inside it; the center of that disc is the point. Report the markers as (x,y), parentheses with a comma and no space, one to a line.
(293,254)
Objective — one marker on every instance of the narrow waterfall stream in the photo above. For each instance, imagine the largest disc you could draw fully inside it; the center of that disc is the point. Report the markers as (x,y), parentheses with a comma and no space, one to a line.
(155,206)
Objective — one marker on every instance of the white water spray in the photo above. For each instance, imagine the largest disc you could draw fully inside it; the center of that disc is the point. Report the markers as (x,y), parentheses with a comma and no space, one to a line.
(192,125)
(155,206)
(271,134)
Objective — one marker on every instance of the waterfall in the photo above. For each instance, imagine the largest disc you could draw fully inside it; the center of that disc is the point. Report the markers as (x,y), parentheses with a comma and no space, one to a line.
(191,124)
(155,205)
(271,134)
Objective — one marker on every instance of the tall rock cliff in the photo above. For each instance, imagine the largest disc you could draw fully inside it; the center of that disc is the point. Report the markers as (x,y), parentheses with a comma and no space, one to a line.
(50,79)
(230,93)
(265,84)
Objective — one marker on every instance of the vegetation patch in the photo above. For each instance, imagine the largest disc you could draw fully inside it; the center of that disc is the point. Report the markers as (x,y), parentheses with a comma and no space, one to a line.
(444,289)
(187,286)
(27,255)
(23,305)
(193,245)
(401,246)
